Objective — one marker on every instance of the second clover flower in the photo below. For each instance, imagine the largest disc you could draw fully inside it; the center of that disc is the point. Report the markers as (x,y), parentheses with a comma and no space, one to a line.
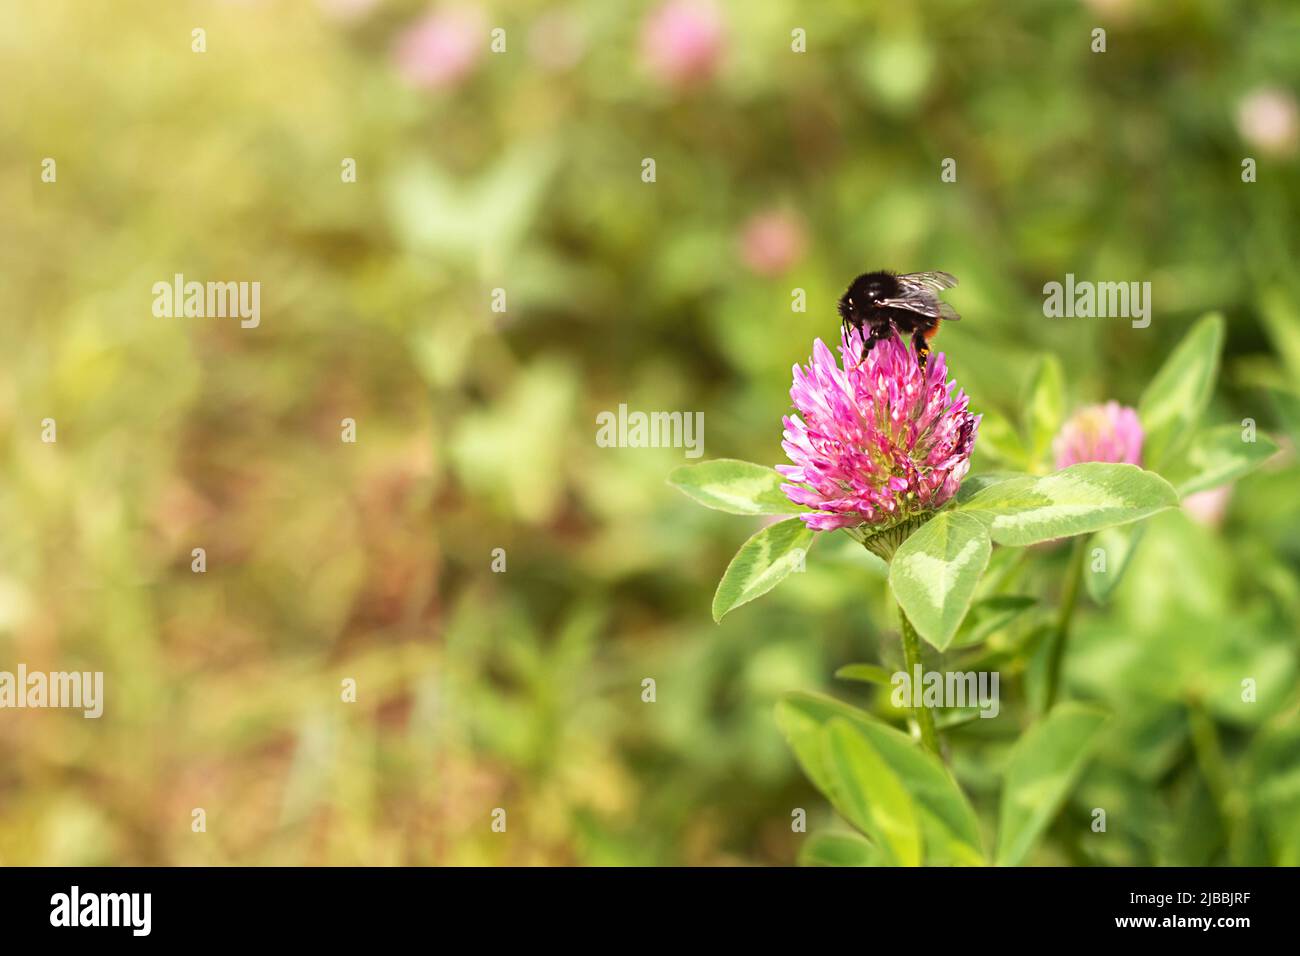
(1110,432)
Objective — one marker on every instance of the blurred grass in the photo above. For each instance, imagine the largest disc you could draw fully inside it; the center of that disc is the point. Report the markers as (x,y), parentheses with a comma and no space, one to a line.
(476,429)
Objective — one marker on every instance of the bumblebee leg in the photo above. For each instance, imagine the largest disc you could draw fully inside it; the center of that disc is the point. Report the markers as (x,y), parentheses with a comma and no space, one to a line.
(869,340)
(922,349)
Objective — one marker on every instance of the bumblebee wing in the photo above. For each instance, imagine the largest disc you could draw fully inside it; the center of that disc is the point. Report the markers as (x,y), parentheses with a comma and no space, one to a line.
(921,282)
(925,304)
(921,295)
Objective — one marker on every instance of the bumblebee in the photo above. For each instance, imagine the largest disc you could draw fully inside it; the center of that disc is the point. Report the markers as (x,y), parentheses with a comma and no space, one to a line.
(880,304)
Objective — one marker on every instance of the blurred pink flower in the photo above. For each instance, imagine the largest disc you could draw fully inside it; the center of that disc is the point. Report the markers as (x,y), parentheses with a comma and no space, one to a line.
(682,41)
(441,49)
(771,242)
(1118,9)
(1269,120)
(1210,506)
(556,41)
(877,441)
(1109,432)
(347,9)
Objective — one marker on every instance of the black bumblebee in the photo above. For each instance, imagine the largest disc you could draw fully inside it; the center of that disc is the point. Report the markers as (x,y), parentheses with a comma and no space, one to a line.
(878,304)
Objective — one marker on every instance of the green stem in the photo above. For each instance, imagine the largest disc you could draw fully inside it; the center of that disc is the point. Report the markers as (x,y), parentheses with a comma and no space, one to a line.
(1216,772)
(1209,756)
(1061,635)
(912,660)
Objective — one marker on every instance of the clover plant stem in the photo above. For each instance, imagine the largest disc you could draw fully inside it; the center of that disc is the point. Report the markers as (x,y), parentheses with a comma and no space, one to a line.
(1061,634)
(912,659)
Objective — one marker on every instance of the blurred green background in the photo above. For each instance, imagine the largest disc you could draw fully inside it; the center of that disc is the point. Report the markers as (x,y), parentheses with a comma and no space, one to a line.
(521,170)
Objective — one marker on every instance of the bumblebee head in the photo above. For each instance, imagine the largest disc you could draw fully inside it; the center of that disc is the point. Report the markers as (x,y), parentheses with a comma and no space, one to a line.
(862,295)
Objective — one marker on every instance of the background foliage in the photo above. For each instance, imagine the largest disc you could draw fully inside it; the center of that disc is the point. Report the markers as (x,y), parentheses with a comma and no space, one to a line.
(476,429)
